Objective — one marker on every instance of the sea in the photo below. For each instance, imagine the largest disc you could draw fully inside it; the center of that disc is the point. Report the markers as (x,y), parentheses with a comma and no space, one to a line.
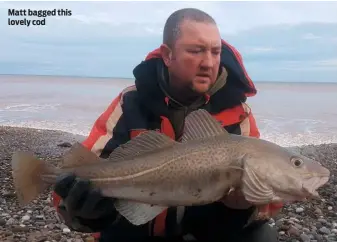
(288,114)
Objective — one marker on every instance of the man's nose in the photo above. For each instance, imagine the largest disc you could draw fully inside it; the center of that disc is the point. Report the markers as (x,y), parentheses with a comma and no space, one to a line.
(207,61)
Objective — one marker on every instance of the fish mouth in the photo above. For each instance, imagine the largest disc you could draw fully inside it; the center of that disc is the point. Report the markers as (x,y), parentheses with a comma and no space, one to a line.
(309,190)
(311,185)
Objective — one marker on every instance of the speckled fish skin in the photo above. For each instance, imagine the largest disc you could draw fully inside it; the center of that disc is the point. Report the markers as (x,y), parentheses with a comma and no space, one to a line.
(179,174)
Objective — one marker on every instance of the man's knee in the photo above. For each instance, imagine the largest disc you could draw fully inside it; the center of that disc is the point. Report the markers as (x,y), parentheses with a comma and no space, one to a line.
(260,233)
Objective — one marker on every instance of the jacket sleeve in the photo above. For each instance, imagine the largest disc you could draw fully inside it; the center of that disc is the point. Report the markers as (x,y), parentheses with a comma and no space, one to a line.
(108,131)
(248,126)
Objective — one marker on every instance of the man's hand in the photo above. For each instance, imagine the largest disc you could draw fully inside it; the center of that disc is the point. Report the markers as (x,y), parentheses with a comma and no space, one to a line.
(83,204)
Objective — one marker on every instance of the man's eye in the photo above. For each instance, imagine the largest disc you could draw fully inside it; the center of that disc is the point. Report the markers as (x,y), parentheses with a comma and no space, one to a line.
(195,51)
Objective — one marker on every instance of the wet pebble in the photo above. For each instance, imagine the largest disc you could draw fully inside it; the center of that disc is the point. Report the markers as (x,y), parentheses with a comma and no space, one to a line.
(299,210)
(324,230)
(304,238)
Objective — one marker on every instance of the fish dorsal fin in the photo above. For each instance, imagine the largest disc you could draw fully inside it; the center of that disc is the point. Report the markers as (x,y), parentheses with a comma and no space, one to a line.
(79,155)
(200,124)
(143,143)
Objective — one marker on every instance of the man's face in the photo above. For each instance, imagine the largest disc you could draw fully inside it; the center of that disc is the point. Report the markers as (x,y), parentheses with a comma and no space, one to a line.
(195,57)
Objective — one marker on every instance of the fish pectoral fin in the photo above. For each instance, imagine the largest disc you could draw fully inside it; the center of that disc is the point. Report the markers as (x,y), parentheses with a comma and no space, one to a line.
(201,124)
(79,155)
(138,213)
(143,143)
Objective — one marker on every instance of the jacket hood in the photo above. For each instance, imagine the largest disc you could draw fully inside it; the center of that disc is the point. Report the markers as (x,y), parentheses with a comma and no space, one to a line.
(151,72)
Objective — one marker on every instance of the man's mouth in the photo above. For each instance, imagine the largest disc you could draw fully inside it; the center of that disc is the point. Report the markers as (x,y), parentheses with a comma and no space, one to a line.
(204,78)
(204,75)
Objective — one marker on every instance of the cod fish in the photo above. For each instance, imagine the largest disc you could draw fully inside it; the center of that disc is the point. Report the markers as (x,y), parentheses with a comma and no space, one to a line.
(152,172)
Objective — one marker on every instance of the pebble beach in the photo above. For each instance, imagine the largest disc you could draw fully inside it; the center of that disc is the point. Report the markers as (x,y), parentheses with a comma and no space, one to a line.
(313,221)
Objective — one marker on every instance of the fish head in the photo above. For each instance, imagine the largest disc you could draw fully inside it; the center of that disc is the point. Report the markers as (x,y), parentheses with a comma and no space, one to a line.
(276,174)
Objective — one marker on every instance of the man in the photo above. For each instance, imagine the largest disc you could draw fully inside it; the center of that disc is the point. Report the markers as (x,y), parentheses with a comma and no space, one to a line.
(193,68)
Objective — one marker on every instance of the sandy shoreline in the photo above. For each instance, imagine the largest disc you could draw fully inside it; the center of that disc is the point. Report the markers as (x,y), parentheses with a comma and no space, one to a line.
(317,221)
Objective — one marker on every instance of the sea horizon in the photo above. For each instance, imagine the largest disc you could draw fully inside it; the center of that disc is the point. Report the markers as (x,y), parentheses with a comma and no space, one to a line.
(132,78)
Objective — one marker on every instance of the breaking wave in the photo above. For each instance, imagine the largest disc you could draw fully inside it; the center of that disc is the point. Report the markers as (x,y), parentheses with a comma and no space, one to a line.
(32,108)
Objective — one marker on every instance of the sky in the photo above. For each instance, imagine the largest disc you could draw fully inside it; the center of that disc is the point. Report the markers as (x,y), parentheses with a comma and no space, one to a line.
(279,41)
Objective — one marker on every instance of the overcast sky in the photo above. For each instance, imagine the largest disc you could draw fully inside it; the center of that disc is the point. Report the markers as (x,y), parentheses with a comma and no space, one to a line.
(279,41)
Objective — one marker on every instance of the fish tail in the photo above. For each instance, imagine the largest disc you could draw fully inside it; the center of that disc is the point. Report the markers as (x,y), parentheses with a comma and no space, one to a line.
(26,172)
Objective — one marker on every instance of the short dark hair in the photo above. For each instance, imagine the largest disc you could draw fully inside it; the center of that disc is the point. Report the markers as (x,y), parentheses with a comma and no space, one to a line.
(172,25)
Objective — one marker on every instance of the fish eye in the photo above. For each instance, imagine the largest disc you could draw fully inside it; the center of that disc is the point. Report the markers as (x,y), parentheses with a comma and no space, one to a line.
(297,162)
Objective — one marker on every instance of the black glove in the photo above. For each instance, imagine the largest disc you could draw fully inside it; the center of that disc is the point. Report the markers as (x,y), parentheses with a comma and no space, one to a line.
(83,207)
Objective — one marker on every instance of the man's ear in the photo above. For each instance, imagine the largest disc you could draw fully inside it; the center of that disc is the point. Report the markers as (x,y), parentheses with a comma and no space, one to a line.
(166,54)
